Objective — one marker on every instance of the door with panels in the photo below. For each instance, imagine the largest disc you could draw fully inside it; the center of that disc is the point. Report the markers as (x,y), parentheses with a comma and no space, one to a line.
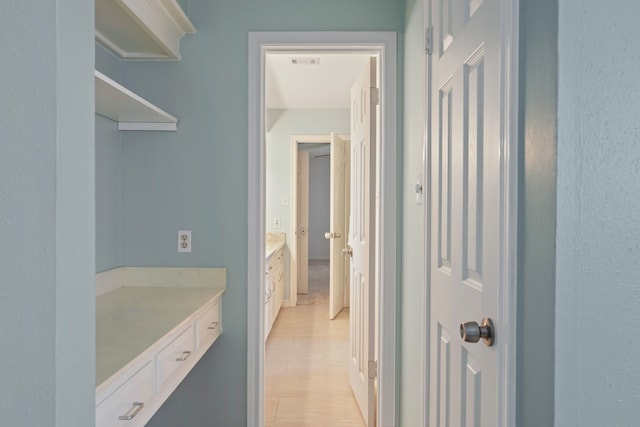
(362,368)
(465,211)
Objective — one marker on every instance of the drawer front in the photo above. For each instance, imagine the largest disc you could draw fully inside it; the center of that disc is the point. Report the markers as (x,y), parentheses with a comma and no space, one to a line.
(174,356)
(208,326)
(128,400)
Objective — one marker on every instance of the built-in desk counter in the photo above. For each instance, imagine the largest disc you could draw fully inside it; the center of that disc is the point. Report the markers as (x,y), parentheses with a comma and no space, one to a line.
(152,327)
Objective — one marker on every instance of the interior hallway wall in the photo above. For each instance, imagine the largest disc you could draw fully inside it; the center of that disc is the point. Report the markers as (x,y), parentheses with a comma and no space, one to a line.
(319,205)
(47,214)
(598,228)
(197,177)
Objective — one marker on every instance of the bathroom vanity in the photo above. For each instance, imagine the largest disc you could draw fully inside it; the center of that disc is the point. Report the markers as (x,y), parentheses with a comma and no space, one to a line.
(152,326)
(274,278)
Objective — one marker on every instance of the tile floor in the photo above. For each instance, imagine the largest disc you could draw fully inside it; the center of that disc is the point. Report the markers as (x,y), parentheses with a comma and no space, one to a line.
(306,373)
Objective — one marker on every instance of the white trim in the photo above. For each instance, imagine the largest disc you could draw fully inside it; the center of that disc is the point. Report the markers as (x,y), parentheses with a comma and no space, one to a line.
(293,211)
(426,241)
(383,43)
(507,304)
(164,127)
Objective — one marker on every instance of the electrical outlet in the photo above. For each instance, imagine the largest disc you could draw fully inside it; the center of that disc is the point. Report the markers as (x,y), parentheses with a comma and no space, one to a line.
(276,223)
(184,241)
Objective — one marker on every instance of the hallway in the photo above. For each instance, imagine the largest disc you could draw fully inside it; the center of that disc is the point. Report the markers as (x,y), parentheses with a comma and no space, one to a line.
(306,371)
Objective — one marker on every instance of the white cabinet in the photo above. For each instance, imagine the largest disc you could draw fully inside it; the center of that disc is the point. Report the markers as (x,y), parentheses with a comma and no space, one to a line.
(152,326)
(142,29)
(130,401)
(174,356)
(137,29)
(273,288)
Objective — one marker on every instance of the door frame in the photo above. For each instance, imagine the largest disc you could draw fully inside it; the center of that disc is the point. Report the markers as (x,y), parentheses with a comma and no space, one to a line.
(508,300)
(293,191)
(293,212)
(383,44)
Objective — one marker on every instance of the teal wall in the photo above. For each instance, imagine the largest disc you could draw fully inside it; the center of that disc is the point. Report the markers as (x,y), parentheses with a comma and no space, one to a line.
(108,195)
(47,214)
(537,212)
(196,178)
(108,176)
(598,215)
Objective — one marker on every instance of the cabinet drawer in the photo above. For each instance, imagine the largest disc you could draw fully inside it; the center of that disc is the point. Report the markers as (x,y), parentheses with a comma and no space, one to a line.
(208,326)
(128,400)
(174,356)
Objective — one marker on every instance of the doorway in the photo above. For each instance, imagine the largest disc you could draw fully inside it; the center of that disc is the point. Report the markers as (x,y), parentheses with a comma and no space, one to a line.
(383,45)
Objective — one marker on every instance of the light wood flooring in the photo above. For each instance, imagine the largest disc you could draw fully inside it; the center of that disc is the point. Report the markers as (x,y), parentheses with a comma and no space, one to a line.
(306,357)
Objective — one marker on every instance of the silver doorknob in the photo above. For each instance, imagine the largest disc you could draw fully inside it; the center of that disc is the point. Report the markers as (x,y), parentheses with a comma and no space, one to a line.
(328,235)
(472,332)
(348,251)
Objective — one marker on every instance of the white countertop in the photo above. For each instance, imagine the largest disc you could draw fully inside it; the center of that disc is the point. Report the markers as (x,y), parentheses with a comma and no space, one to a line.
(129,320)
(273,242)
(132,318)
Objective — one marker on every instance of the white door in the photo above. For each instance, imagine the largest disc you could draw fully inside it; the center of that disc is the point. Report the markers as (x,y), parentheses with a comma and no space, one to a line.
(362,244)
(465,210)
(302,228)
(338,226)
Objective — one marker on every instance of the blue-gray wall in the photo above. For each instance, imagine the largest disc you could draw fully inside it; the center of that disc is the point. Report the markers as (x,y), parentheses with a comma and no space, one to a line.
(598,205)
(196,178)
(47,220)
(537,212)
(108,195)
(108,176)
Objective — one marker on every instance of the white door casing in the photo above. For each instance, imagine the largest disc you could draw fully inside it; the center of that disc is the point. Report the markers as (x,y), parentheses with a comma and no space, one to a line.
(338,226)
(472,212)
(383,44)
(302,226)
(362,242)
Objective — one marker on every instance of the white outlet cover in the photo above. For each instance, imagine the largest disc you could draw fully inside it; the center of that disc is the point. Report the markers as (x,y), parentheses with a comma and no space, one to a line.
(184,241)
(276,223)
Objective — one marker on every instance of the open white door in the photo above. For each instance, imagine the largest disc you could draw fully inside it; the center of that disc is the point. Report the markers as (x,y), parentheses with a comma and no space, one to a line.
(362,364)
(466,211)
(302,228)
(338,226)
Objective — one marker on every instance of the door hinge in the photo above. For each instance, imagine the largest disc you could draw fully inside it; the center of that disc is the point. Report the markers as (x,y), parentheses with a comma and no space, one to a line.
(375,96)
(428,40)
(373,369)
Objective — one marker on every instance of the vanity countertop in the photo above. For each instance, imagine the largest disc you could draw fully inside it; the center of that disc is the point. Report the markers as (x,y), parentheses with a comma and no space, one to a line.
(134,316)
(273,242)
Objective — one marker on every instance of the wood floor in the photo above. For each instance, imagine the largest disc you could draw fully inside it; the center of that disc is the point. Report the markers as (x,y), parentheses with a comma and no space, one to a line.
(306,371)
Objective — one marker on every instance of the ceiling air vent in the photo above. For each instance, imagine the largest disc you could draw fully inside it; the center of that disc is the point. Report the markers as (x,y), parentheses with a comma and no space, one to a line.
(304,60)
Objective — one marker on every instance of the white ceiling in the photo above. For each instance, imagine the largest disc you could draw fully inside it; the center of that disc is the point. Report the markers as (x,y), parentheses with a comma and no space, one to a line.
(326,85)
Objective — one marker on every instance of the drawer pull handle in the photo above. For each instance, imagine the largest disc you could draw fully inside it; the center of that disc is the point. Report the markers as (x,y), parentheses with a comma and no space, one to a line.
(137,407)
(214,325)
(185,355)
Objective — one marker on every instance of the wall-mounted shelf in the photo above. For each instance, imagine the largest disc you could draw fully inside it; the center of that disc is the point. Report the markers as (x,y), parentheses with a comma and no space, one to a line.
(132,112)
(142,29)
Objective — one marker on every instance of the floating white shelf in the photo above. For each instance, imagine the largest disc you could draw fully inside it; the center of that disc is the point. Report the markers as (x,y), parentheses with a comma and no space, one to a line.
(142,29)
(132,112)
